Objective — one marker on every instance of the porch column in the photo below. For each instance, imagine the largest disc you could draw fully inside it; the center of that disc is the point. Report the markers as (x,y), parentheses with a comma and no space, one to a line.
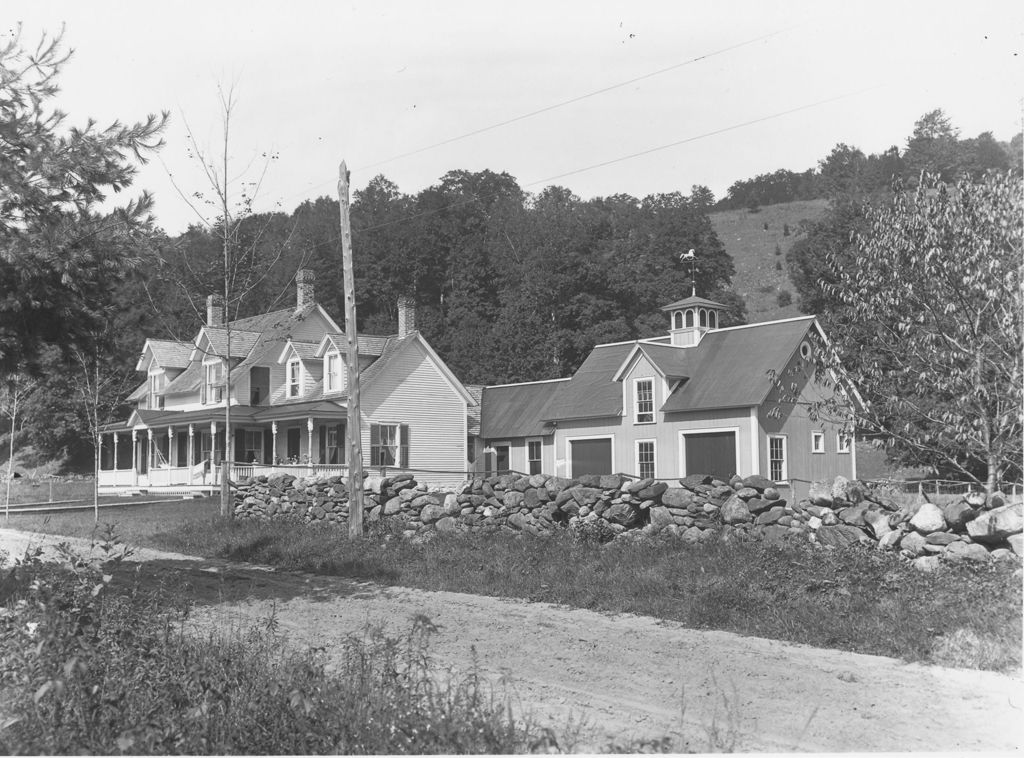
(309,438)
(191,450)
(152,454)
(116,435)
(273,436)
(135,457)
(172,453)
(213,452)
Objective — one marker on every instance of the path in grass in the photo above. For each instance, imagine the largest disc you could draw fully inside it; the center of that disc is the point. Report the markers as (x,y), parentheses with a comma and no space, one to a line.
(628,676)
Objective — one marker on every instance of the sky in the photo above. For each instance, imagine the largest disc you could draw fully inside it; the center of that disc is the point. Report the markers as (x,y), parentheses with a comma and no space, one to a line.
(603,97)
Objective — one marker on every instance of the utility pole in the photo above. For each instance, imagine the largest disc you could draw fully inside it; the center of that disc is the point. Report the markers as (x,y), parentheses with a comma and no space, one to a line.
(353,428)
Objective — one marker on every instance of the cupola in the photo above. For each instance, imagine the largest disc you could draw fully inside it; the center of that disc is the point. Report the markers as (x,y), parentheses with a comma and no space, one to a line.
(691,318)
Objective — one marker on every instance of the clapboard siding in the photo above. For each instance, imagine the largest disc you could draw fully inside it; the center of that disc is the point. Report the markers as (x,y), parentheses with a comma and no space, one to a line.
(414,392)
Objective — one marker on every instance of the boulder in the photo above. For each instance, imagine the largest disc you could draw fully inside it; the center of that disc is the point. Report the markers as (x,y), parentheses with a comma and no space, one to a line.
(877,521)
(424,500)
(610,482)
(660,516)
(966,551)
(590,480)
(926,563)
(637,485)
(770,493)
(556,484)
(828,517)
(451,506)
(721,492)
(676,497)
(928,519)
(998,524)
(513,499)
(431,512)
(393,506)
(770,516)
(1016,542)
(854,515)
(840,535)
(538,480)
(941,538)
(620,513)
(517,521)
(756,505)
(746,493)
(958,514)
(446,524)
(758,483)
(653,491)
(890,540)
(531,498)
(912,543)
(695,480)
(820,493)
(847,490)
(735,511)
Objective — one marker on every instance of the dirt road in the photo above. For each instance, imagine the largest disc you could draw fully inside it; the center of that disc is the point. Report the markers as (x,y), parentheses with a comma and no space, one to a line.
(631,677)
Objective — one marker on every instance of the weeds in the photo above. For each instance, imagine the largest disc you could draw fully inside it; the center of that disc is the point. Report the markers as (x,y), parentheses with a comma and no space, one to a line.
(851,599)
(92,667)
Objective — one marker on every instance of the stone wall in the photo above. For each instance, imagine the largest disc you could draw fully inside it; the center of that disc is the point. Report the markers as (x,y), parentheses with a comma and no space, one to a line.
(835,513)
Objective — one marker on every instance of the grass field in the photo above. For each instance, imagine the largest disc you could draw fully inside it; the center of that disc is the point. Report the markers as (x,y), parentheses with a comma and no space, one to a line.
(752,248)
(857,599)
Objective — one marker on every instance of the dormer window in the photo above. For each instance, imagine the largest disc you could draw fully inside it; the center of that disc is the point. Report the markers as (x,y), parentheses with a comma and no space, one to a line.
(157,379)
(643,393)
(689,318)
(294,377)
(677,320)
(213,388)
(332,372)
(703,317)
(713,319)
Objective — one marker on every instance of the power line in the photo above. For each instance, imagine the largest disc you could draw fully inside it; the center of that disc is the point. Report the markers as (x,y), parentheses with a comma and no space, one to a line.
(576,99)
(548,108)
(623,158)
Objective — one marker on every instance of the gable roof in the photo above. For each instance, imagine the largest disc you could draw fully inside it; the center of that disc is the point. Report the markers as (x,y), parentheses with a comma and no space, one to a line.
(667,360)
(167,353)
(692,301)
(516,410)
(592,392)
(188,380)
(396,345)
(726,369)
(241,342)
(304,351)
(366,344)
(474,412)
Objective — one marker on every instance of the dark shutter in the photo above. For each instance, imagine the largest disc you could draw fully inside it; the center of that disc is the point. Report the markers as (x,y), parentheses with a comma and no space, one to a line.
(202,388)
(239,450)
(268,446)
(323,443)
(342,443)
(403,450)
(375,445)
(220,450)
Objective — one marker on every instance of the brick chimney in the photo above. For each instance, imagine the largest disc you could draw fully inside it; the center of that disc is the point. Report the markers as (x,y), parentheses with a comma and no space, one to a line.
(406,315)
(215,310)
(305,293)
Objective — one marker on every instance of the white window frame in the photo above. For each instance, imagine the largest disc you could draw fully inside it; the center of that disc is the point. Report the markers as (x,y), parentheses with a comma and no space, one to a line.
(785,458)
(258,449)
(840,447)
(333,378)
(654,458)
(540,459)
(818,442)
(706,430)
(157,381)
(636,400)
(293,388)
(214,392)
(570,440)
(399,442)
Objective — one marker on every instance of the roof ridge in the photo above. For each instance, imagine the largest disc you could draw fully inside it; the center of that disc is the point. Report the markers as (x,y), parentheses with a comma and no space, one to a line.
(520,384)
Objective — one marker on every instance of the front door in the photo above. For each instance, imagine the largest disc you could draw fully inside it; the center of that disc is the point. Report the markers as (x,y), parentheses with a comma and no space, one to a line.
(711,453)
(294,435)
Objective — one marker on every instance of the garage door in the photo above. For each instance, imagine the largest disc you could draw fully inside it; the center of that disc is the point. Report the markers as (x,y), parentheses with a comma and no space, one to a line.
(591,456)
(711,453)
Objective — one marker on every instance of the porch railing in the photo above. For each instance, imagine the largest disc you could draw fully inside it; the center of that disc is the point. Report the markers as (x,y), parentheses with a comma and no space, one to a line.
(246,470)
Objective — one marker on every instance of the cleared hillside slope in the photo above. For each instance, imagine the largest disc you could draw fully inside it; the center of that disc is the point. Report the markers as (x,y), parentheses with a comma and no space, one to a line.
(752,248)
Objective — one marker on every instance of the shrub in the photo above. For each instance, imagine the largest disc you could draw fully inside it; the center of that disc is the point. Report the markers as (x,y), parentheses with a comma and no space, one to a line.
(784,298)
(89,666)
